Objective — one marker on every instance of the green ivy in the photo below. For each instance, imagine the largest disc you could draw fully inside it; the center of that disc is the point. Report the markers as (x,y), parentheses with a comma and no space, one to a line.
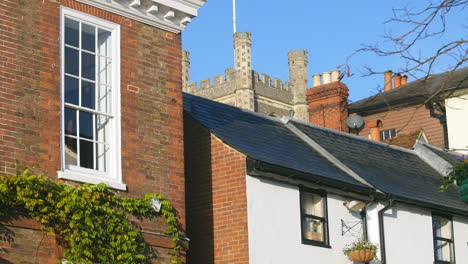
(89,221)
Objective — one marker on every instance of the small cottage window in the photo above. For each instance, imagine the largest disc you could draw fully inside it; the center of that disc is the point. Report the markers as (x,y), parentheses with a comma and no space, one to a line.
(443,239)
(314,223)
(386,134)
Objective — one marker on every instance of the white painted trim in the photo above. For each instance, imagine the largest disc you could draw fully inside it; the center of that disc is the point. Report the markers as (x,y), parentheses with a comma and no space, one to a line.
(90,178)
(114,176)
(128,8)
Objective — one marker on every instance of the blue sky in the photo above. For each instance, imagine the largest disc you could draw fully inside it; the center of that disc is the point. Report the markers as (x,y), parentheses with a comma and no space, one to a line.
(329,30)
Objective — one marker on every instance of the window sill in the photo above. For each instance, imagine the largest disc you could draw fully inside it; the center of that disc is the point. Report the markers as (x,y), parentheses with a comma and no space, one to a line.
(89,178)
(315,243)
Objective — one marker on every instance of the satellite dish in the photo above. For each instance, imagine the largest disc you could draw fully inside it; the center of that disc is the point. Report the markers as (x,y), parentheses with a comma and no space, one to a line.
(354,121)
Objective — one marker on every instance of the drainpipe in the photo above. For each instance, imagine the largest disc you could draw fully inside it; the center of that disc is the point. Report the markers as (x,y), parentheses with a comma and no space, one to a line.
(383,259)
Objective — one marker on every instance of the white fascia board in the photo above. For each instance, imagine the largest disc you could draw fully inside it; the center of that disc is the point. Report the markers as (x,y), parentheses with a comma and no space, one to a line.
(181,8)
(184,6)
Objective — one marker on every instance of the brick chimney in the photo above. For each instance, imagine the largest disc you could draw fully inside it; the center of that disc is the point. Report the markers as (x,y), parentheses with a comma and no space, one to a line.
(388,80)
(374,129)
(328,103)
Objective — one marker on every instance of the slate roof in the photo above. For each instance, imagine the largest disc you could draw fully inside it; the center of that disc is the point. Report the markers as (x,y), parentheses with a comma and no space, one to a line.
(262,138)
(395,171)
(413,92)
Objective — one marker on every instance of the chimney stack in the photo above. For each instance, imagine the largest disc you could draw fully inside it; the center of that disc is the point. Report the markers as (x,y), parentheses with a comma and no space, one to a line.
(387,81)
(404,79)
(374,127)
(397,80)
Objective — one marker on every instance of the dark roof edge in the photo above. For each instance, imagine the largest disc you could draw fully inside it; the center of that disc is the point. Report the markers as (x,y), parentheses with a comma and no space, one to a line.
(260,169)
(432,207)
(271,171)
(410,100)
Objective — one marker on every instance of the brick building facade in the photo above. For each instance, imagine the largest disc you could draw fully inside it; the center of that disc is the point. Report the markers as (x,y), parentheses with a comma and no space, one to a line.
(39,88)
(218,227)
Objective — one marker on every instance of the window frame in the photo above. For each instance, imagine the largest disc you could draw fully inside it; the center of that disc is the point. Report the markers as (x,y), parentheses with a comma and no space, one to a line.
(389,131)
(436,238)
(324,219)
(113,176)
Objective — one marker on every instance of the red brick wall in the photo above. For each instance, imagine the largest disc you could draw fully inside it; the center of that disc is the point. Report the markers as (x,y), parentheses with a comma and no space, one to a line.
(409,119)
(151,99)
(216,199)
(327,105)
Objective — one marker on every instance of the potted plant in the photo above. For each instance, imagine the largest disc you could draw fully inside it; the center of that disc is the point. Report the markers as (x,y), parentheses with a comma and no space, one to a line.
(458,174)
(361,251)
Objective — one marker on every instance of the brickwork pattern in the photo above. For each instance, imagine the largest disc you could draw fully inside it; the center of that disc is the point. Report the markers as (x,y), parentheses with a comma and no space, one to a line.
(151,100)
(327,105)
(216,199)
(407,119)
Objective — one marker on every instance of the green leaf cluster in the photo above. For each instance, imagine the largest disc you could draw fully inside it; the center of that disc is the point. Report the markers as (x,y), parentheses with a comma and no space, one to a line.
(89,221)
(458,172)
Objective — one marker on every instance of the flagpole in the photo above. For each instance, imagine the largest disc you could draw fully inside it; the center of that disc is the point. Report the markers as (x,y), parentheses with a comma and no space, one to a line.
(234,15)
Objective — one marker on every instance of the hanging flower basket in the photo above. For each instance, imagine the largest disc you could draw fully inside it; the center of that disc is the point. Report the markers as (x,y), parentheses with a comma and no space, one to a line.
(361,255)
(361,251)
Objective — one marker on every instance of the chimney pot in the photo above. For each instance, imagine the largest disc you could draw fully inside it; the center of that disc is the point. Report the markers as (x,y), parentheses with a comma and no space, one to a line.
(374,127)
(335,74)
(388,80)
(397,80)
(326,77)
(404,79)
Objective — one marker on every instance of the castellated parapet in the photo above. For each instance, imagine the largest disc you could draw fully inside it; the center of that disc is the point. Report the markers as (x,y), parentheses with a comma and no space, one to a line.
(226,84)
(242,87)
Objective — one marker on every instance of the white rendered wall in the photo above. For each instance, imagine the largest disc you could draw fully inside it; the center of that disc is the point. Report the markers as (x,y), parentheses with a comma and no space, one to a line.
(275,229)
(275,226)
(460,230)
(408,235)
(457,122)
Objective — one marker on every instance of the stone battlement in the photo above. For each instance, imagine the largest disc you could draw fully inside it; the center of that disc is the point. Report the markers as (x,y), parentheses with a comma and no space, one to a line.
(269,82)
(222,85)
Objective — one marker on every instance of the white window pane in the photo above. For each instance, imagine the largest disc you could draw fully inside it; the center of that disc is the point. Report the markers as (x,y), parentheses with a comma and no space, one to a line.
(70,121)
(103,128)
(71,61)
(104,42)
(88,93)
(88,37)
(312,204)
(443,250)
(71,90)
(88,66)
(86,154)
(86,125)
(104,70)
(312,229)
(102,157)
(72,29)
(70,151)
(104,99)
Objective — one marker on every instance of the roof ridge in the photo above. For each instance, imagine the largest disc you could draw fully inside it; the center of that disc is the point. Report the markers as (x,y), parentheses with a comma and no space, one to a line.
(322,151)
(354,136)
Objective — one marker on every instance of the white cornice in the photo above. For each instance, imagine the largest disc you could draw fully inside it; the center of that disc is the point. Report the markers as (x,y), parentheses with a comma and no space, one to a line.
(153,12)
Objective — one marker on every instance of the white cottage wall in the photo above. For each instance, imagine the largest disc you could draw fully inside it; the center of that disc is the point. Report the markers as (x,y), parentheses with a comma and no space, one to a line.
(460,230)
(275,226)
